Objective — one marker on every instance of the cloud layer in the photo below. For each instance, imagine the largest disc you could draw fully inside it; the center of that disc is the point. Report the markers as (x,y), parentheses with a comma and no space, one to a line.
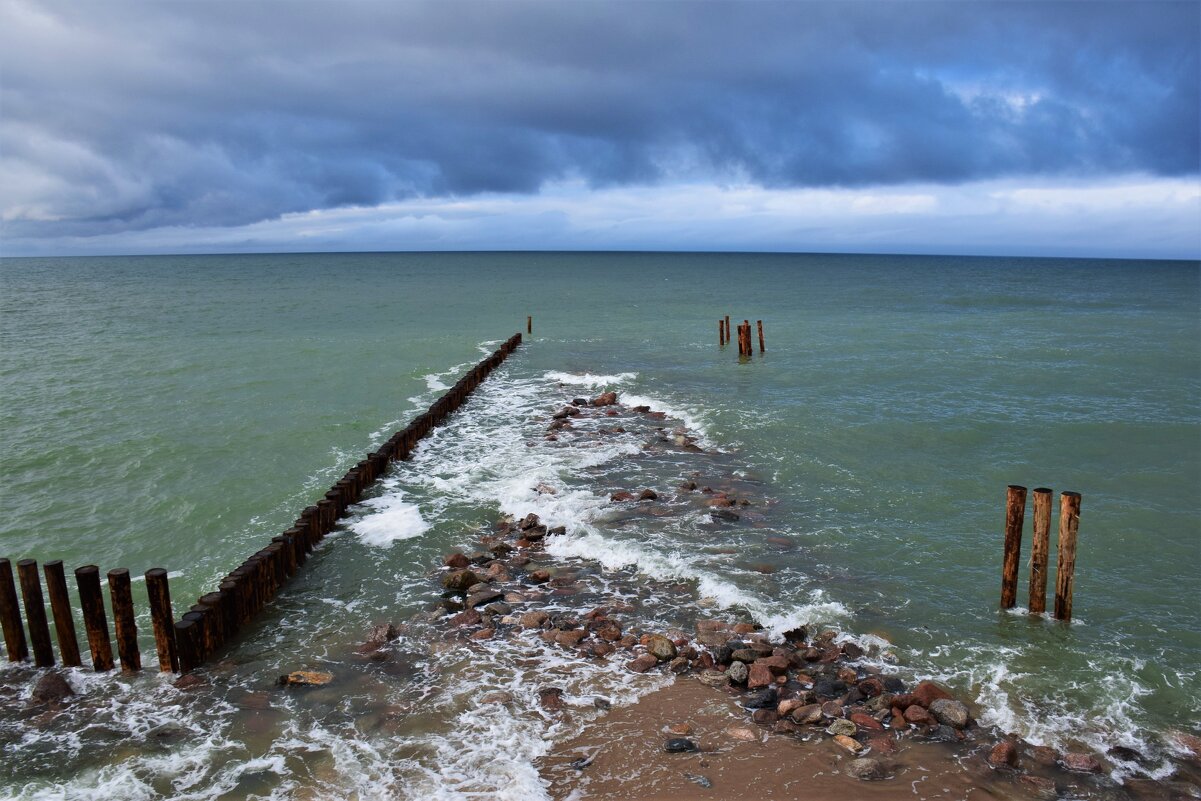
(122,117)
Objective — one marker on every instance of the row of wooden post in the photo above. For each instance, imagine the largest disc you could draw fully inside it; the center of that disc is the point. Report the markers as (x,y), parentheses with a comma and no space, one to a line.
(745,347)
(1065,568)
(217,616)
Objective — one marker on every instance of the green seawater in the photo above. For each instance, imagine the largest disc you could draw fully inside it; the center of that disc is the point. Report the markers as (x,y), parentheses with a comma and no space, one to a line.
(180,411)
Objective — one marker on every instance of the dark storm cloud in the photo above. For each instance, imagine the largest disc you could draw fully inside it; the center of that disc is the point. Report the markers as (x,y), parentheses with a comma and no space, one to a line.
(133,116)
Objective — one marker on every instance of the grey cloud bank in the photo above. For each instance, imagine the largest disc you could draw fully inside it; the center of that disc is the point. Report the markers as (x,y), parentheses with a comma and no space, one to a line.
(147,121)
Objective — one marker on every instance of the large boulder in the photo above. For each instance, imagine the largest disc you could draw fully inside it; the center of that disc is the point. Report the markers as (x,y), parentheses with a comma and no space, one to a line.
(950,713)
(460,580)
(605,399)
(51,688)
(660,647)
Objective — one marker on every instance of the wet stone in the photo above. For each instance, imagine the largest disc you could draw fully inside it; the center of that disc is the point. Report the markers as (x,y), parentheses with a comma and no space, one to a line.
(642,664)
(950,713)
(51,688)
(865,769)
(847,744)
(763,699)
(737,673)
(1081,763)
(842,726)
(660,647)
(460,580)
(1040,788)
(679,745)
(551,698)
(1003,754)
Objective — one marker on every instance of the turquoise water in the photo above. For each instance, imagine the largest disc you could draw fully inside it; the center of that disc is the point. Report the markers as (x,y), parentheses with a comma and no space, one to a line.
(178,411)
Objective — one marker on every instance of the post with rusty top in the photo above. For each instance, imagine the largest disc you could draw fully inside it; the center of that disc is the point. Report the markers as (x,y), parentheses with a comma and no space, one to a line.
(1065,568)
(95,623)
(1015,511)
(529,324)
(121,594)
(721,334)
(60,607)
(10,615)
(759,323)
(1039,548)
(35,612)
(161,618)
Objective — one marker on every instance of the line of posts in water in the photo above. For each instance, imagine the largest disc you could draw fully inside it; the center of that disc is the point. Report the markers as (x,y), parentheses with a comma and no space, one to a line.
(745,343)
(217,616)
(1065,568)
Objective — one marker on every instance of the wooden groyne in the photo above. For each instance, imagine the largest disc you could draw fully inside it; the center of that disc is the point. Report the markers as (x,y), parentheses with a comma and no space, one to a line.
(1065,569)
(216,618)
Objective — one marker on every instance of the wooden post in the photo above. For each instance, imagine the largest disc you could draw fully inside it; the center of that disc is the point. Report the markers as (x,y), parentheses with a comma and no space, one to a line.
(185,645)
(1065,568)
(759,323)
(60,607)
(199,615)
(1015,511)
(10,615)
(727,328)
(161,618)
(1039,548)
(35,612)
(215,635)
(87,581)
(529,325)
(121,596)
(721,334)
(746,324)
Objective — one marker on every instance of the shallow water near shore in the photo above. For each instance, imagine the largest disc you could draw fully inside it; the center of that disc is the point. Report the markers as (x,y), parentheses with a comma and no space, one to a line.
(179,411)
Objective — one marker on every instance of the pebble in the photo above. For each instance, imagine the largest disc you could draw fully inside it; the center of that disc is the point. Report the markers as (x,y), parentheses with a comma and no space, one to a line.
(742,734)
(737,673)
(680,728)
(1003,754)
(865,769)
(679,745)
(842,727)
(641,664)
(949,712)
(847,744)
(1081,763)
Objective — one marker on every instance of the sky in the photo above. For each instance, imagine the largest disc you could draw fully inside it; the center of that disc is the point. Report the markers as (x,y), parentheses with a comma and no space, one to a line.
(1029,128)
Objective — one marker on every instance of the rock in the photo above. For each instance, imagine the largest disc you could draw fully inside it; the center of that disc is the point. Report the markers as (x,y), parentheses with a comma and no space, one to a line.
(459,580)
(842,726)
(621,497)
(556,530)
(696,778)
(528,522)
(950,713)
(833,709)
(559,425)
(51,688)
(865,721)
(865,769)
(500,609)
(1189,744)
(570,639)
(660,647)
(742,734)
(456,561)
(540,576)
(919,716)
(1040,788)
(551,698)
(759,675)
(678,665)
(566,411)
(643,663)
(484,634)
(306,678)
(713,678)
(534,620)
(481,597)
(927,692)
(648,495)
(469,617)
(882,743)
(852,650)
(579,402)
(777,664)
(737,673)
(1081,763)
(607,631)
(765,717)
(189,681)
(786,706)
(680,745)
(810,713)
(603,704)
(871,687)
(1003,754)
(747,655)
(724,514)
(893,684)
(763,699)
(1043,755)
(605,399)
(847,744)
(681,729)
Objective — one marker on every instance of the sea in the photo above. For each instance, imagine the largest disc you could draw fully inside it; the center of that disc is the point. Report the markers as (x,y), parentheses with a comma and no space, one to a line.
(179,411)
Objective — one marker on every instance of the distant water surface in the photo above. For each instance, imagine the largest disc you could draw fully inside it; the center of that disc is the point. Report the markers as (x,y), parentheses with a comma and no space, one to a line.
(179,411)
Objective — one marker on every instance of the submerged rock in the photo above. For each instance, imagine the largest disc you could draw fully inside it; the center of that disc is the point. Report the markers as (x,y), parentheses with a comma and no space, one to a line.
(605,399)
(679,745)
(306,678)
(460,580)
(865,769)
(660,647)
(51,688)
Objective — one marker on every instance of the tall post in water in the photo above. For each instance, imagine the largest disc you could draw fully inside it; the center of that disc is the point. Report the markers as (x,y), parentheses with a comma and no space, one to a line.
(161,618)
(1015,511)
(529,324)
(728,337)
(87,580)
(1039,548)
(721,334)
(1065,568)
(123,620)
(759,323)
(60,607)
(10,616)
(35,612)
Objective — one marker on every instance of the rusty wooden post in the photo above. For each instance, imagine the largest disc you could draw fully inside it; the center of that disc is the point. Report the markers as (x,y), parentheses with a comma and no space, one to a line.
(60,607)
(185,645)
(35,612)
(1065,568)
(762,348)
(727,328)
(95,623)
(721,334)
(10,615)
(161,618)
(1015,511)
(1039,547)
(529,324)
(121,595)
(215,634)
(199,615)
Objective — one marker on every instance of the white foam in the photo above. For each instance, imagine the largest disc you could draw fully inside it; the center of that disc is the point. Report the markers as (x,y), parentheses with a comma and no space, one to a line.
(691,418)
(588,379)
(388,520)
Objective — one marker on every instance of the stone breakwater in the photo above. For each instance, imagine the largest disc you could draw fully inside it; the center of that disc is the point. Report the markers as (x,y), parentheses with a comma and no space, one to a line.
(813,686)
